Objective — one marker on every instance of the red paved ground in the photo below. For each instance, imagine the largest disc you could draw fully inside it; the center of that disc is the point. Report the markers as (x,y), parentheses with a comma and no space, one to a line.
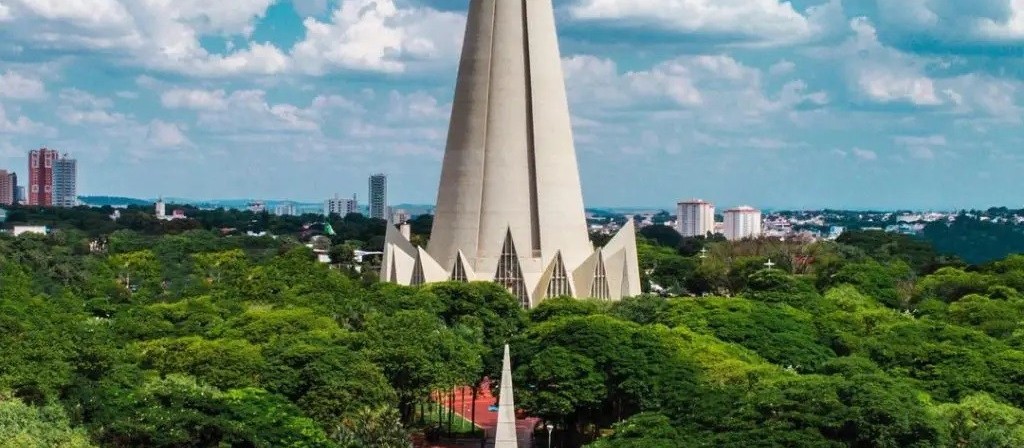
(485,419)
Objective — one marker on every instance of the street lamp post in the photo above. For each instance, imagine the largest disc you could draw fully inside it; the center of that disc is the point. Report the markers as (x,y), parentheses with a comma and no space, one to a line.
(550,428)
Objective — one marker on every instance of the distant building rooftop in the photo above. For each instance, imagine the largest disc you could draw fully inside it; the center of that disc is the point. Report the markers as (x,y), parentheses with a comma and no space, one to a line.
(39,230)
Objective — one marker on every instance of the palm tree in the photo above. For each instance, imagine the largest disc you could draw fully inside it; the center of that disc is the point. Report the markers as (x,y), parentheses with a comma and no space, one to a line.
(379,427)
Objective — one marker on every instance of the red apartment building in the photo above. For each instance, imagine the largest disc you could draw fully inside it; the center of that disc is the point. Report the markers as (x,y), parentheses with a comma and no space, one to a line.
(39,190)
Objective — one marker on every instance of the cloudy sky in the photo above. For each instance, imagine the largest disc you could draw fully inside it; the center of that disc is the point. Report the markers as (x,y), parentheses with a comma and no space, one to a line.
(806,103)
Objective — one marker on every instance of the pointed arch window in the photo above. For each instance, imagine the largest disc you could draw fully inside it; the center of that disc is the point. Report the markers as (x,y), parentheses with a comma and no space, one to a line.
(510,273)
(599,289)
(558,286)
(418,279)
(459,271)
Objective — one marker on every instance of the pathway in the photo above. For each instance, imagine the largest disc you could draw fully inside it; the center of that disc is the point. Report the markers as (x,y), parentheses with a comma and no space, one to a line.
(487,419)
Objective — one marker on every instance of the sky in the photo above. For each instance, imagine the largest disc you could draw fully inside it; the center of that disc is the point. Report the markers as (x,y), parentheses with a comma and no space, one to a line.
(799,104)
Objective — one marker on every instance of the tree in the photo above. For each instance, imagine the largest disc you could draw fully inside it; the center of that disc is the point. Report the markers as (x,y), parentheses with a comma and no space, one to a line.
(980,421)
(379,427)
(138,272)
(884,282)
(418,354)
(646,430)
(22,425)
(598,370)
(662,236)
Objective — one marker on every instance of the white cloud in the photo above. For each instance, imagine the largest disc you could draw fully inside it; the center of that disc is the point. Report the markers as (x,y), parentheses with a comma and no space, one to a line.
(309,7)
(885,86)
(880,74)
(74,116)
(761,20)
(242,111)
(1009,28)
(16,86)
(725,90)
(416,107)
(21,125)
(83,108)
(377,35)
(864,154)
(195,99)
(159,34)
(921,146)
(979,96)
(166,135)
(955,22)
(5,13)
(248,110)
(781,68)
(81,98)
(372,35)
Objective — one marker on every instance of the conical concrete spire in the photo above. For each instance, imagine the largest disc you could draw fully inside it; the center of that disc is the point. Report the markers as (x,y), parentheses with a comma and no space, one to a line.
(510,172)
(505,437)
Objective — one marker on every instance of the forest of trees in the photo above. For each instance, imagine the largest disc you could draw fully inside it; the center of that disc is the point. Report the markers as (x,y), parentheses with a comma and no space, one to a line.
(193,339)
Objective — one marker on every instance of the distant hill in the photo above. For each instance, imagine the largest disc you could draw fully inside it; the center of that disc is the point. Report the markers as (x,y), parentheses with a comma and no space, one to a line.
(113,201)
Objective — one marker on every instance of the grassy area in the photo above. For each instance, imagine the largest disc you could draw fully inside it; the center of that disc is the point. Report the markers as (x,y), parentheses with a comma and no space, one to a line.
(430,418)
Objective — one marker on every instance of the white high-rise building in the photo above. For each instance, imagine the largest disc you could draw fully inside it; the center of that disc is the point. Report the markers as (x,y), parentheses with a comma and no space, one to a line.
(742,222)
(65,182)
(340,206)
(286,209)
(695,218)
(509,205)
(161,208)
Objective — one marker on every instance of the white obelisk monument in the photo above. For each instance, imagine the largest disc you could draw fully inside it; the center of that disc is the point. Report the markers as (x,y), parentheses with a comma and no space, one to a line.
(505,436)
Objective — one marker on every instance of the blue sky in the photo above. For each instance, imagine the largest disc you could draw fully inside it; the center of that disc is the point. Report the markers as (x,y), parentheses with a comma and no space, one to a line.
(808,103)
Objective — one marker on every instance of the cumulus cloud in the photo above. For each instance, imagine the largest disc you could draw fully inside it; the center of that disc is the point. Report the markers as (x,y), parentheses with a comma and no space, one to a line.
(921,146)
(767,21)
(78,107)
(377,35)
(716,84)
(166,135)
(373,35)
(887,86)
(954,23)
(880,74)
(21,125)
(16,86)
(864,154)
(74,116)
(195,99)
(781,68)
(220,112)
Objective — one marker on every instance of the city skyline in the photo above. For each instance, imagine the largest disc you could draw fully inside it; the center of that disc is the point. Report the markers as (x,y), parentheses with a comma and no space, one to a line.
(822,104)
